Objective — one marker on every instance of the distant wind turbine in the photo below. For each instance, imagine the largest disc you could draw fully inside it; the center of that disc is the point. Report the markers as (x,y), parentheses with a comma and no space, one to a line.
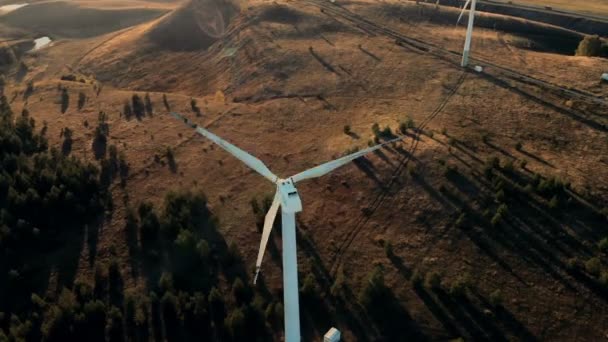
(287,197)
(467,42)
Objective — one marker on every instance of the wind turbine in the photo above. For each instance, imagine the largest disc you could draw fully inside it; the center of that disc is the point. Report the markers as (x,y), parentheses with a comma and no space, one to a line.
(467,41)
(287,197)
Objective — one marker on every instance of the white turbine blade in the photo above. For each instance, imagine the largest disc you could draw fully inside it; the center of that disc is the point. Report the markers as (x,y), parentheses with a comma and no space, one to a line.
(462,12)
(326,168)
(268,223)
(241,155)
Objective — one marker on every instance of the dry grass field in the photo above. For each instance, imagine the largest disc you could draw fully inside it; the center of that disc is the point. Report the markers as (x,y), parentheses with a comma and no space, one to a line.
(282,79)
(593,7)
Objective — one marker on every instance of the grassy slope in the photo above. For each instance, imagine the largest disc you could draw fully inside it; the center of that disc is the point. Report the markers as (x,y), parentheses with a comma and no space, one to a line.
(594,7)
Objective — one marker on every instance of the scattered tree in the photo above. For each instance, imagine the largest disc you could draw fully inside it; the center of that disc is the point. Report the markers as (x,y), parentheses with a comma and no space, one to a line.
(590,46)
(433,280)
(166,102)
(139,109)
(496,298)
(65,100)
(593,266)
(127,111)
(148,105)
(195,107)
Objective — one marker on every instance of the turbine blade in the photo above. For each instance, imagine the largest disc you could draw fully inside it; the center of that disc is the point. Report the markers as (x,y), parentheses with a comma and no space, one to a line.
(268,223)
(241,155)
(326,168)
(462,12)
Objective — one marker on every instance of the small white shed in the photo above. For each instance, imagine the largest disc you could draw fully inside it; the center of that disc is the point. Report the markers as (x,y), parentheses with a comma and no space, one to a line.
(333,335)
(605,77)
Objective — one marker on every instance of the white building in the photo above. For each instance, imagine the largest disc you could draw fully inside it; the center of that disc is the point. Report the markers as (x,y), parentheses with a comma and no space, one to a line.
(333,335)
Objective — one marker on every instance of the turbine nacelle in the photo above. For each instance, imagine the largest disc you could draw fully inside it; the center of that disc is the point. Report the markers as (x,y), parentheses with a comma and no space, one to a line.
(290,199)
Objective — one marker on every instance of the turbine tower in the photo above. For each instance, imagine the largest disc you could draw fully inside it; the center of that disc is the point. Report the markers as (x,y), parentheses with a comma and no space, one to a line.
(286,197)
(467,41)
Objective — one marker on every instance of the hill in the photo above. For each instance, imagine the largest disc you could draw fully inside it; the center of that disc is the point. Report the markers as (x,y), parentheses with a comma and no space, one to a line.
(487,222)
(69,20)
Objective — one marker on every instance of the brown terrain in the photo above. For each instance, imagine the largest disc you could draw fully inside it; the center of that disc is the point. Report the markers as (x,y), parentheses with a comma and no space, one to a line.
(281,79)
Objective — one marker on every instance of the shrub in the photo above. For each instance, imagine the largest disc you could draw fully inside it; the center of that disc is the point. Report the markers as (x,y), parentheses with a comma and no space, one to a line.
(126,110)
(603,245)
(387,132)
(523,164)
(374,289)
(347,130)
(572,264)
(496,298)
(493,162)
(309,287)
(114,327)
(502,210)
(496,220)
(241,294)
(554,203)
(433,280)
(500,196)
(410,123)
(590,46)
(403,128)
(236,325)
(460,286)
(165,283)
(603,279)
(166,102)
(593,266)
(509,166)
(376,129)
(195,107)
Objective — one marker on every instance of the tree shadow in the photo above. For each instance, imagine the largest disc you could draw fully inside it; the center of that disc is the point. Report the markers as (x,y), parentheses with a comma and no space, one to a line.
(353,135)
(322,61)
(99,147)
(536,158)
(573,114)
(374,57)
(368,168)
